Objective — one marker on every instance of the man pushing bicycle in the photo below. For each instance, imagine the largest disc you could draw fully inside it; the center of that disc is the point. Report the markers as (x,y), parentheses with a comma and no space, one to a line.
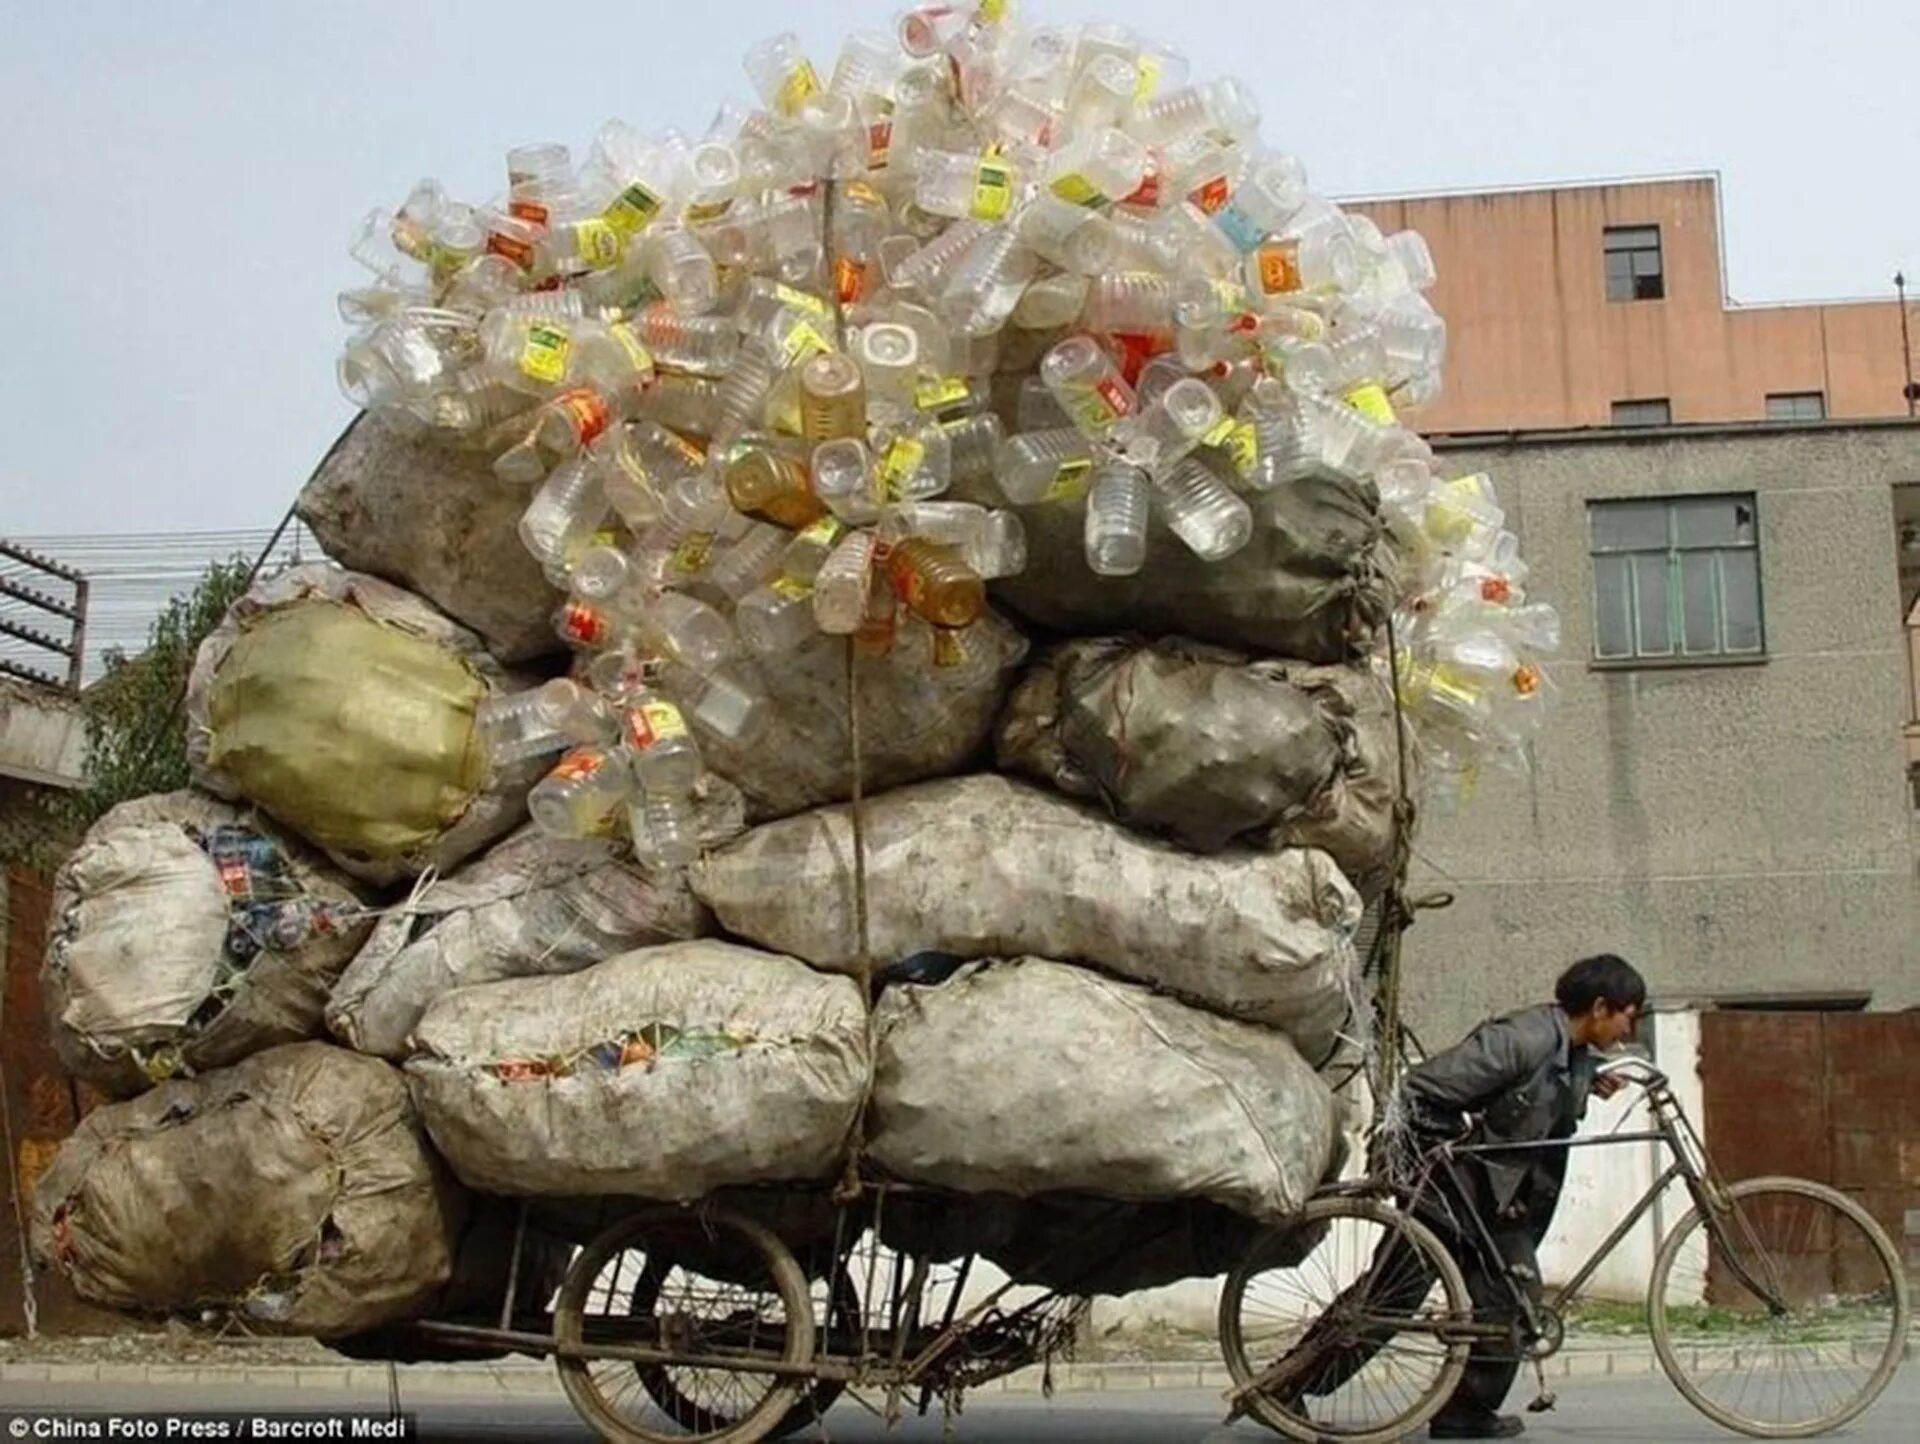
(1521,1078)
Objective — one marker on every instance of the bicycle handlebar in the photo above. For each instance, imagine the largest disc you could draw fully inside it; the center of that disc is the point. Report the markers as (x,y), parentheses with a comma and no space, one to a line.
(1633,1069)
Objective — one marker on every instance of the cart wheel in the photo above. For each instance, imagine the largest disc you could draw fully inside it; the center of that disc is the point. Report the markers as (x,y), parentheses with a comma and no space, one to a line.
(1359,1294)
(701,1401)
(745,1299)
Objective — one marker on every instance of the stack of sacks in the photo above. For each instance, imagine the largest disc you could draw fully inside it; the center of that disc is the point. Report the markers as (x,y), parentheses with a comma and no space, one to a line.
(777,509)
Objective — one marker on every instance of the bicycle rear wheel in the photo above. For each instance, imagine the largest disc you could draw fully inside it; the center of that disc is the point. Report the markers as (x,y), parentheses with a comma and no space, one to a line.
(1782,1315)
(1353,1288)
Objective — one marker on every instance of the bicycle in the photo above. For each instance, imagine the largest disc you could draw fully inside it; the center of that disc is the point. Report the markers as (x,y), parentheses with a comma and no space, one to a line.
(1777,1306)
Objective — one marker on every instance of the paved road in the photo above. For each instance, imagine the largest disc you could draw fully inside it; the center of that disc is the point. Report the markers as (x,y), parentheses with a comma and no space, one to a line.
(1591,1411)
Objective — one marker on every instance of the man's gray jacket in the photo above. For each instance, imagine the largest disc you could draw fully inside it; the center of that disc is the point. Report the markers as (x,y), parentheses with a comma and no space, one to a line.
(1520,1080)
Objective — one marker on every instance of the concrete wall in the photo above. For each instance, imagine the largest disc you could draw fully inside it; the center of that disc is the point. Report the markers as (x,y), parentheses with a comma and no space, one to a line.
(43,738)
(1534,341)
(1605,1181)
(1732,829)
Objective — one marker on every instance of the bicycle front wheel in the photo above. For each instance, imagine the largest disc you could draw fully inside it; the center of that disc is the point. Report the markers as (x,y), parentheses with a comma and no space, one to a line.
(1781,1314)
(1347,1311)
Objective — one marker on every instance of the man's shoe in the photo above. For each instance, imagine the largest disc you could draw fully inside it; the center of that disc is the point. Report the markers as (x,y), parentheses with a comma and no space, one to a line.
(1476,1426)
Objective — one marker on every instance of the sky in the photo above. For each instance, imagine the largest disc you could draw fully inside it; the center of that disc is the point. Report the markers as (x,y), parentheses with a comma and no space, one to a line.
(184,177)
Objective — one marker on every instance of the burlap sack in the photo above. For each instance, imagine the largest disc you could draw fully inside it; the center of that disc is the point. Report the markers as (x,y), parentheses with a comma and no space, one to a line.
(1198,744)
(1032,1077)
(663,1073)
(295,1187)
(162,961)
(344,707)
(532,906)
(1316,581)
(437,521)
(985,867)
(918,717)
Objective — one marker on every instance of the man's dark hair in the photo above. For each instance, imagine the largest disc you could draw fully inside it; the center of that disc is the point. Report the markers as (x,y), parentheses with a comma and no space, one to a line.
(1601,976)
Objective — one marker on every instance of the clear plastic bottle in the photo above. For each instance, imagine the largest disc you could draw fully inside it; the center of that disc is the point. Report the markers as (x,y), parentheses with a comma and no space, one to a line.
(1165,432)
(1036,410)
(997,547)
(1100,94)
(582,794)
(867,64)
(1036,466)
(781,74)
(777,618)
(765,483)
(665,829)
(708,345)
(600,572)
(1224,105)
(579,713)
(833,398)
(1203,511)
(514,726)
(928,266)
(589,625)
(725,702)
(986,283)
(1116,527)
(566,511)
(746,563)
(528,353)
(714,171)
(741,401)
(1267,197)
(1051,303)
(912,460)
(686,629)
(844,480)
(1096,167)
(660,750)
(682,270)
(973,442)
(861,222)
(1088,385)
(935,583)
(1070,236)
(950,523)
(840,590)
(684,403)
(539,177)
(1133,302)
(926,30)
(888,355)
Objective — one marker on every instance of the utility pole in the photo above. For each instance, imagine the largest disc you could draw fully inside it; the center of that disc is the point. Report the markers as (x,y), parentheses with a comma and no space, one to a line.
(1912,392)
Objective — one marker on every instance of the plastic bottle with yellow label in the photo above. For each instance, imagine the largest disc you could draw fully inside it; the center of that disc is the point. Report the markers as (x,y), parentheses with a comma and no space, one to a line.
(661,751)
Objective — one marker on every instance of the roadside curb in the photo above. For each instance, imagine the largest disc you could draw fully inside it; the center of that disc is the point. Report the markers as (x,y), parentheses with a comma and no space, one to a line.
(536,1377)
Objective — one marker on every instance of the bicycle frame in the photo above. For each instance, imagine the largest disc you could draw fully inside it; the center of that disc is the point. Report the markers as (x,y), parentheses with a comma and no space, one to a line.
(1687,1164)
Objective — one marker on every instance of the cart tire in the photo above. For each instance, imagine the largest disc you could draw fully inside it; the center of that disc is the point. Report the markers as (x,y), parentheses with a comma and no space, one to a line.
(1308,1264)
(700,1420)
(585,1388)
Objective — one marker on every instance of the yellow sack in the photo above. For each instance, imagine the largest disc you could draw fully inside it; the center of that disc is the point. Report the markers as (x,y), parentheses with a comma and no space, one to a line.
(344,707)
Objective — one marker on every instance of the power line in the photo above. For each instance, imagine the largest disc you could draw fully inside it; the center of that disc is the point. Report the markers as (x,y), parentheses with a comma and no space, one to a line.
(131,576)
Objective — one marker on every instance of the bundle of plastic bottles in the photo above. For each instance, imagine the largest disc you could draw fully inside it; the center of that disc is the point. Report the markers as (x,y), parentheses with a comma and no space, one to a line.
(1030,265)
